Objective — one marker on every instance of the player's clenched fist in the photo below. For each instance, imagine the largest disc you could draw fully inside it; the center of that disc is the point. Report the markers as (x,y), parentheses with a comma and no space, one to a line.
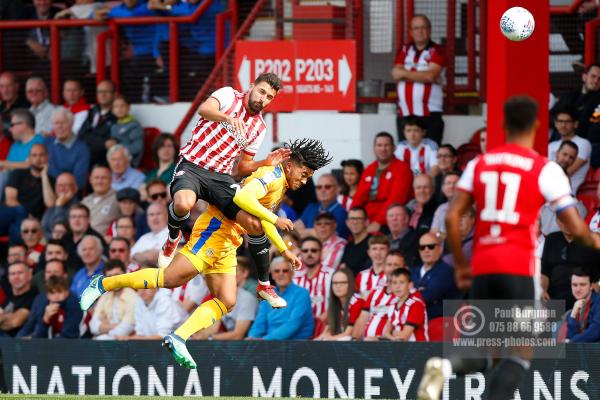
(284,224)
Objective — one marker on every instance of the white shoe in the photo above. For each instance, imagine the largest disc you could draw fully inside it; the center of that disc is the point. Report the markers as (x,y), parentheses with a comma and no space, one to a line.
(267,293)
(433,380)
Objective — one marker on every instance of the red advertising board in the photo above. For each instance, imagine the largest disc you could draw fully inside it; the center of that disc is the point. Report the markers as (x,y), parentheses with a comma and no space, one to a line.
(315,74)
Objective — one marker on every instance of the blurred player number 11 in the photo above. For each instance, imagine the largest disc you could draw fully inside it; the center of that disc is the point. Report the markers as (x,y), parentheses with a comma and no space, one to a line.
(316,74)
(507,213)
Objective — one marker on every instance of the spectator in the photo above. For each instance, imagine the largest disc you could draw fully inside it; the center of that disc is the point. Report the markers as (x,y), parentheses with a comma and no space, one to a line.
(385,181)
(9,98)
(467,222)
(55,314)
(293,240)
(192,294)
(583,322)
(67,153)
(31,187)
(378,301)
(15,308)
(594,219)
(33,237)
(434,279)
(140,53)
(402,237)
(95,130)
(565,157)
(355,255)
(416,150)
(566,124)
(90,252)
(301,198)
(22,129)
(584,99)
(123,175)
(65,195)
(60,229)
(423,206)
(55,263)
(235,324)
(394,260)
(38,39)
(37,94)
(373,277)
(244,263)
(352,169)
(164,150)
(145,250)
(314,276)
(156,315)
(407,320)
(125,228)
(418,72)
(79,225)
(119,248)
(333,245)
(447,162)
(344,307)
(17,252)
(102,202)
(438,225)
(327,190)
(560,256)
(292,322)
(127,131)
(75,102)
(114,313)
(128,206)
(156,191)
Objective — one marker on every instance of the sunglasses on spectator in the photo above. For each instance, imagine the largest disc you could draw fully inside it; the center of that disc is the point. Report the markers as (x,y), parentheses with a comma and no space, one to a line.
(310,250)
(156,196)
(319,187)
(280,271)
(429,246)
(28,231)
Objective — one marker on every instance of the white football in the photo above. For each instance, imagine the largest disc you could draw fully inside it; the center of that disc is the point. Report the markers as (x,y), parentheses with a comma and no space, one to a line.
(517,24)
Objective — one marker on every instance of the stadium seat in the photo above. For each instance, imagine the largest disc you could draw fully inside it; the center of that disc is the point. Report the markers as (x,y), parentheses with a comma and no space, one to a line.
(148,162)
(590,203)
(587,189)
(436,327)
(469,151)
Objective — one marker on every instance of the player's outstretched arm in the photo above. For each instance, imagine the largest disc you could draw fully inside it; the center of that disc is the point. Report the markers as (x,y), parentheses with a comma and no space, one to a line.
(458,207)
(248,164)
(576,225)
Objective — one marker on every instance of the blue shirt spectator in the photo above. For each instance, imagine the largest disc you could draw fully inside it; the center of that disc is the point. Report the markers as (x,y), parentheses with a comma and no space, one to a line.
(71,156)
(132,178)
(143,38)
(199,37)
(83,277)
(123,175)
(19,151)
(46,322)
(583,321)
(293,322)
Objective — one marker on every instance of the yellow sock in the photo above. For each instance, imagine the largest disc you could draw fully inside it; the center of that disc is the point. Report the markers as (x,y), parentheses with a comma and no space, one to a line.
(204,316)
(145,278)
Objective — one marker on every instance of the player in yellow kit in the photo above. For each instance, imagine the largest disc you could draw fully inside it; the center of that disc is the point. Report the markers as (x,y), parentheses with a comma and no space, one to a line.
(212,247)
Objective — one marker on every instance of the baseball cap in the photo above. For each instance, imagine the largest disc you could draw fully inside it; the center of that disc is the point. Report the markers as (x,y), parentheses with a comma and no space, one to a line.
(128,194)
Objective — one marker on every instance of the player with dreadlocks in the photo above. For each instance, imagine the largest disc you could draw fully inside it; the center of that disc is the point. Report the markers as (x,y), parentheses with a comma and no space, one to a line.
(212,247)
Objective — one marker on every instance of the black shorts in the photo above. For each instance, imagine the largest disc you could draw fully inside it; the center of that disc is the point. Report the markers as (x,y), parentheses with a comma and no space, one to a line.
(213,187)
(502,287)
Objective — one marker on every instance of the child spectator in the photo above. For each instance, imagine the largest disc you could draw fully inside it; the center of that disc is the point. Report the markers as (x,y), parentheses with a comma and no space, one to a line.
(127,131)
(419,152)
(344,307)
(352,169)
(407,320)
(369,279)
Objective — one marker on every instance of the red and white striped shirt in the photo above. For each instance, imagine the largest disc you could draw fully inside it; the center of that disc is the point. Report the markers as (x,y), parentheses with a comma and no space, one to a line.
(378,303)
(332,251)
(355,307)
(345,201)
(214,145)
(194,290)
(412,311)
(421,159)
(416,98)
(317,286)
(367,280)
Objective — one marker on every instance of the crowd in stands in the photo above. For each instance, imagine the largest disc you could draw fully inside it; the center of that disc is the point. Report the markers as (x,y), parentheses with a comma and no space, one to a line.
(77,202)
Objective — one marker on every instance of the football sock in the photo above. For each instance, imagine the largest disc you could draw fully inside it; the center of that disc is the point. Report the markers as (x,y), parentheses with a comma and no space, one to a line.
(506,377)
(175,222)
(259,251)
(204,316)
(145,278)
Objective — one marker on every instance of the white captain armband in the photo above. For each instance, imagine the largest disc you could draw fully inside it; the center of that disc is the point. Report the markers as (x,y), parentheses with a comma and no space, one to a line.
(563,203)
